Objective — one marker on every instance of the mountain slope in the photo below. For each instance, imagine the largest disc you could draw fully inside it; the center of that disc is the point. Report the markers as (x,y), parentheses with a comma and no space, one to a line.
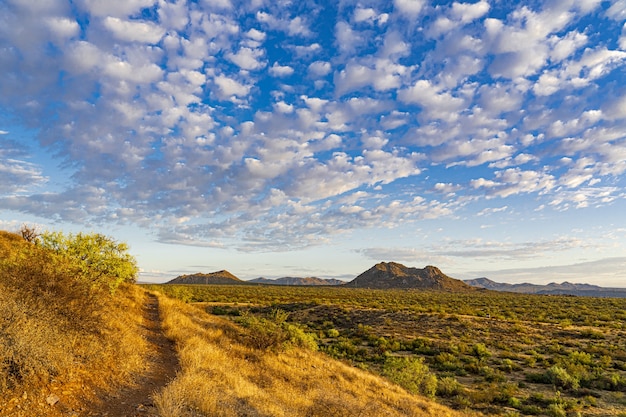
(394,275)
(296,281)
(220,277)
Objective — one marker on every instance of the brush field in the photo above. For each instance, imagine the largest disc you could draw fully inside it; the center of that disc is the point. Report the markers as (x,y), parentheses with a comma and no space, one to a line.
(488,352)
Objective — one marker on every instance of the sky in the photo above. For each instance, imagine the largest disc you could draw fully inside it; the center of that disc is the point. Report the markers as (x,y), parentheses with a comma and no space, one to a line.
(317,138)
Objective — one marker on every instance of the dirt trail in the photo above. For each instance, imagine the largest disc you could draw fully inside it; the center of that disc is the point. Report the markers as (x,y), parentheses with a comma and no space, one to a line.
(136,401)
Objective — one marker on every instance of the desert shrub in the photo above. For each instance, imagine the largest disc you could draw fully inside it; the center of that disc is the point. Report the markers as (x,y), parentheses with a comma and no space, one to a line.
(92,257)
(449,387)
(411,374)
(275,333)
(480,351)
(332,333)
(559,377)
(447,361)
(297,336)
(263,333)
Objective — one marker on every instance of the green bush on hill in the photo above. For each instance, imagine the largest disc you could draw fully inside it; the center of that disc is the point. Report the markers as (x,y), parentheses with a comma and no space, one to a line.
(92,257)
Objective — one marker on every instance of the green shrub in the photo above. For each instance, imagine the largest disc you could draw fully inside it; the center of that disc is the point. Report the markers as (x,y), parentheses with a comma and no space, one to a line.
(411,374)
(92,257)
(332,333)
(480,351)
(449,387)
(559,377)
(298,337)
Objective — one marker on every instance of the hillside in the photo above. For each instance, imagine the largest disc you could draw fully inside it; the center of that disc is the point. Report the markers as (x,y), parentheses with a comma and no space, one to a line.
(394,275)
(564,288)
(220,277)
(64,343)
(296,281)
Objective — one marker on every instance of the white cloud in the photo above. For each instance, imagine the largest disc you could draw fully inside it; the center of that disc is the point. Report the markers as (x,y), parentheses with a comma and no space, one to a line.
(617,11)
(18,176)
(257,35)
(466,12)
(63,27)
(117,8)
(134,31)
(381,74)
(229,87)
(320,68)
(293,27)
(409,7)
(348,40)
(594,63)
(247,58)
(278,70)
(434,101)
(370,16)
(283,107)
(514,181)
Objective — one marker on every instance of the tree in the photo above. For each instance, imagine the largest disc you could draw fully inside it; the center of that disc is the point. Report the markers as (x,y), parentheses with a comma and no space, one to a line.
(93,257)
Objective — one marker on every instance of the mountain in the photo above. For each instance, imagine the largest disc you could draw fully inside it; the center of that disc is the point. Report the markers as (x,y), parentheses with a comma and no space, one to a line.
(296,281)
(220,277)
(564,288)
(395,275)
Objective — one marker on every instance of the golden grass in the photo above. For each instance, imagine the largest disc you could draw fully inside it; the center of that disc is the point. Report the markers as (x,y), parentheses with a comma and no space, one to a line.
(58,336)
(221,376)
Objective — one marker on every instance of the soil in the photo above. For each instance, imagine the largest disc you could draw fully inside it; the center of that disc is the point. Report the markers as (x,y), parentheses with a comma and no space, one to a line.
(136,400)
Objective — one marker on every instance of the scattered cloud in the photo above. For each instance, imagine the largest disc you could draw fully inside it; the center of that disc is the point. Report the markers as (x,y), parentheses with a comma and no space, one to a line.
(272,125)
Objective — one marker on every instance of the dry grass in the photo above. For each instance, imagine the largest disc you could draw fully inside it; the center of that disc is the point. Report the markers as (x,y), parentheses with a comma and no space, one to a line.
(221,376)
(59,336)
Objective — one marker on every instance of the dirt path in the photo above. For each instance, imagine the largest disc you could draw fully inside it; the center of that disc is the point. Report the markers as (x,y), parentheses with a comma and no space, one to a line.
(136,401)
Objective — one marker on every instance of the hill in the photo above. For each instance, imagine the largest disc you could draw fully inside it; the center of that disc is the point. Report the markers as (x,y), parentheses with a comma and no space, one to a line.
(564,288)
(222,277)
(394,275)
(64,342)
(296,281)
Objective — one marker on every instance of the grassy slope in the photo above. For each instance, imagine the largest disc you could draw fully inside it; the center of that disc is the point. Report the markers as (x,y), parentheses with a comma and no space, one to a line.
(221,376)
(58,336)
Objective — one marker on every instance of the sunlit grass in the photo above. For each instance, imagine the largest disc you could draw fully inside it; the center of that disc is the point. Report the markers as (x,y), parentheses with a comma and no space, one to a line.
(60,335)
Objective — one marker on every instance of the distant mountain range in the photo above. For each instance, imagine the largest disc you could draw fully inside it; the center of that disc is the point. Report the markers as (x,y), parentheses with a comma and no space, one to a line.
(565,288)
(395,275)
(226,278)
(297,281)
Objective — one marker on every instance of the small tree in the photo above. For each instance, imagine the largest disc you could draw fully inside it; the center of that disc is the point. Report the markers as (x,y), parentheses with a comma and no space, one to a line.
(30,234)
(93,257)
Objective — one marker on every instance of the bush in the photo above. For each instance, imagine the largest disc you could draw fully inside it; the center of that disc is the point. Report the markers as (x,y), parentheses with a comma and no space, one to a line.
(411,374)
(93,258)
(449,387)
(561,378)
(275,333)
(332,333)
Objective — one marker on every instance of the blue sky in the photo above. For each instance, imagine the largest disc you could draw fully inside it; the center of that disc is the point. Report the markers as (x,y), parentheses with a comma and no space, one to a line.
(317,138)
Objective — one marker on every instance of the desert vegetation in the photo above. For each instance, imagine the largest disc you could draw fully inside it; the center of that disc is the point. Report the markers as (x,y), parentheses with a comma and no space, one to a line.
(266,366)
(66,335)
(495,353)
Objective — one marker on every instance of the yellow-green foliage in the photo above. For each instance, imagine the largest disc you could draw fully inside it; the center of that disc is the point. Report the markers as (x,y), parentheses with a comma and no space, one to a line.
(92,257)
(56,327)
(223,375)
